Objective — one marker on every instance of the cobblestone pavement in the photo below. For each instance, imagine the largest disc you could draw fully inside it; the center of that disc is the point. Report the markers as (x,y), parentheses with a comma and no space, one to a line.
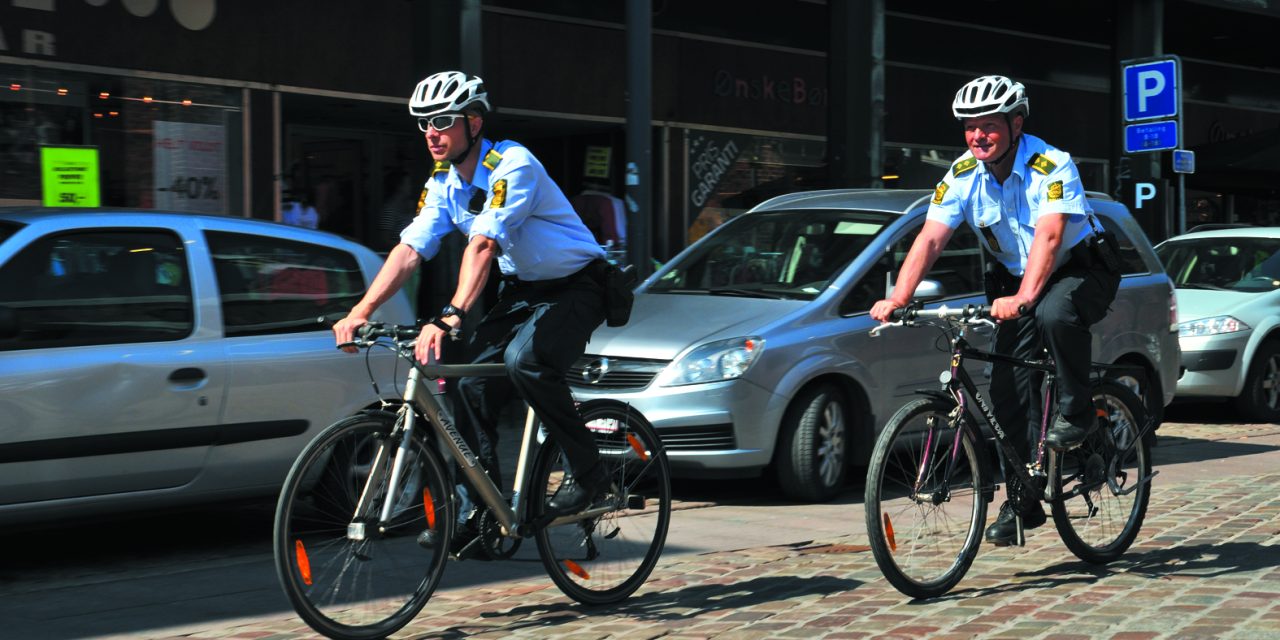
(1206,565)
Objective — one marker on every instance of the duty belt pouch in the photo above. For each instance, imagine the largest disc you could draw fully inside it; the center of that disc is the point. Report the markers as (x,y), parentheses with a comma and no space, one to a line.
(618,294)
(997,281)
(1103,248)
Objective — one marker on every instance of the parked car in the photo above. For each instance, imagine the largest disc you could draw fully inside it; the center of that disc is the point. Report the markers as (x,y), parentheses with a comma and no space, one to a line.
(154,359)
(749,350)
(1228,288)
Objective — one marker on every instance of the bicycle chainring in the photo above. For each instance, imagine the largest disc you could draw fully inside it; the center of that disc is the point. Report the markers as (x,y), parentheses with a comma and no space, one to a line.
(492,542)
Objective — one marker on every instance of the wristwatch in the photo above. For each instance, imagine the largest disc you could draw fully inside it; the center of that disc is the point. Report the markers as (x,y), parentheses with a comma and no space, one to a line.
(444,326)
(450,310)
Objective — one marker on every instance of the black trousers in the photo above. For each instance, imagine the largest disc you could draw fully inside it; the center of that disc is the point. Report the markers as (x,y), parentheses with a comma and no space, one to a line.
(538,330)
(1076,296)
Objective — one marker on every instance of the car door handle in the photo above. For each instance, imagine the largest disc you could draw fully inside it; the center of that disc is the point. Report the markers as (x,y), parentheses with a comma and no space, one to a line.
(187,375)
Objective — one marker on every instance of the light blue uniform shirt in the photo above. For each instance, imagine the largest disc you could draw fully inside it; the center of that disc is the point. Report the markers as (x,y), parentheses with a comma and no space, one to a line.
(539,234)
(1044,181)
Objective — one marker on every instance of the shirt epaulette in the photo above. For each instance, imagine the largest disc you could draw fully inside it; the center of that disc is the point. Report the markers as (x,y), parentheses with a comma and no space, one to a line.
(1041,164)
(967,164)
(492,159)
(442,166)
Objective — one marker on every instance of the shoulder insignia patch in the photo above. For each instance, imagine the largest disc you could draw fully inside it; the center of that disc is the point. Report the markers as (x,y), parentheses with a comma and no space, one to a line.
(1055,190)
(492,159)
(968,164)
(1041,164)
(499,194)
(442,166)
(940,191)
(422,200)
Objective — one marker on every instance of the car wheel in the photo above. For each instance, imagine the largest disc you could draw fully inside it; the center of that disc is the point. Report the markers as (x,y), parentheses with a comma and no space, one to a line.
(813,447)
(1260,398)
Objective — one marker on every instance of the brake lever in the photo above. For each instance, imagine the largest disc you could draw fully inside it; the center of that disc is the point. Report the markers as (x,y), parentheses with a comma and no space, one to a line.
(875,331)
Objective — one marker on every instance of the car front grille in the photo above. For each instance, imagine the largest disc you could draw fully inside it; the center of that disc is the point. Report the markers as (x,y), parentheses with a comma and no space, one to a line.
(601,372)
(712,437)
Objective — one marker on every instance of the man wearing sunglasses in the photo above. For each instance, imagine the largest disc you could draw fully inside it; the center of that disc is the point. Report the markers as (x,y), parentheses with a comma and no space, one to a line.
(550,300)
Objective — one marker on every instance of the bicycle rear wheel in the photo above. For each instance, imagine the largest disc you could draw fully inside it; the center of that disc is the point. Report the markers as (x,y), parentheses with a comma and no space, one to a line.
(1096,523)
(605,558)
(924,512)
(346,576)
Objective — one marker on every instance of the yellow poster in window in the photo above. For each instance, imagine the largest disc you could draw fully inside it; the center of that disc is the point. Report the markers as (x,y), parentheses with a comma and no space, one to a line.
(69,176)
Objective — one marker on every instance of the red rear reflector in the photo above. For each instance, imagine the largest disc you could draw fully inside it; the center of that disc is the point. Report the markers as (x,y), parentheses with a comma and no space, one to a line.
(888,533)
(304,565)
(576,570)
(635,444)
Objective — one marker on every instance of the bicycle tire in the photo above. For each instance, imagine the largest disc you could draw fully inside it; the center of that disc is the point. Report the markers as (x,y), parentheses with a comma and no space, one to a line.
(354,589)
(905,494)
(603,560)
(1101,528)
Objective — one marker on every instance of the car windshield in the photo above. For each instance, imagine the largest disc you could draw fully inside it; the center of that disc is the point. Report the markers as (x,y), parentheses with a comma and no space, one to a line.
(1223,263)
(790,255)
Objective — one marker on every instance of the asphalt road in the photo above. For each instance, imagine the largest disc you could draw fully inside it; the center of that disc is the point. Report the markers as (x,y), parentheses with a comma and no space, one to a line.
(168,573)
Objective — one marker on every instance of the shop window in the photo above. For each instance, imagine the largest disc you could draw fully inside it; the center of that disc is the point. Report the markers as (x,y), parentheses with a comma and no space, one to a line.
(99,287)
(271,286)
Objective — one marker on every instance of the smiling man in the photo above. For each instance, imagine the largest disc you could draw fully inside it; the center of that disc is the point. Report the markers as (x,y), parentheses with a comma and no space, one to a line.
(1049,280)
(500,197)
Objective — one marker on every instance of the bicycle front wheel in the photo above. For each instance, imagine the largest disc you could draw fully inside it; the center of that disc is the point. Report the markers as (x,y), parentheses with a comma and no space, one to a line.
(1097,522)
(604,558)
(925,503)
(348,574)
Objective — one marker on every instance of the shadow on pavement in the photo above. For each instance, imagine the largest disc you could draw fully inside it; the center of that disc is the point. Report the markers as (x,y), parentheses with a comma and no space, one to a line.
(671,605)
(1176,449)
(1199,560)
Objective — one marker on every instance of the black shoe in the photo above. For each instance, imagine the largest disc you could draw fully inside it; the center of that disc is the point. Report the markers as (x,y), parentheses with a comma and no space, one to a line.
(1064,436)
(577,492)
(1004,531)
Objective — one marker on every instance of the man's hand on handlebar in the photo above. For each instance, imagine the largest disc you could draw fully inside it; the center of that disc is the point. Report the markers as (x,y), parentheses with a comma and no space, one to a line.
(344,331)
(432,337)
(1009,307)
(882,310)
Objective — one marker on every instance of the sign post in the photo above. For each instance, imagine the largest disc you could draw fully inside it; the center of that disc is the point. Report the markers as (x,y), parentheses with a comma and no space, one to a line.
(1153,114)
(69,176)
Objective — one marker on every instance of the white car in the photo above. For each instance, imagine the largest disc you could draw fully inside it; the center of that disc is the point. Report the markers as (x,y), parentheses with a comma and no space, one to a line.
(151,359)
(1228,286)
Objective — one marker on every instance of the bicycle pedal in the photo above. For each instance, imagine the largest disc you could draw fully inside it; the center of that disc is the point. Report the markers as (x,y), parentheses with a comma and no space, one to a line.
(636,503)
(1020,537)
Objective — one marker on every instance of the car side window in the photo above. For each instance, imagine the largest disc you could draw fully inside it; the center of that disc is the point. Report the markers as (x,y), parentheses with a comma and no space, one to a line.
(271,286)
(1130,258)
(958,269)
(98,287)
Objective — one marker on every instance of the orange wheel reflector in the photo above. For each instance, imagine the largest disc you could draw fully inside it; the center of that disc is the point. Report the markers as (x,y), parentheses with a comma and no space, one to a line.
(888,533)
(576,570)
(429,507)
(1102,413)
(304,564)
(635,444)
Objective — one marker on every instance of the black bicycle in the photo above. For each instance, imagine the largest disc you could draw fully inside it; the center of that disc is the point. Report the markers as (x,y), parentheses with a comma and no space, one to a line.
(367,513)
(929,481)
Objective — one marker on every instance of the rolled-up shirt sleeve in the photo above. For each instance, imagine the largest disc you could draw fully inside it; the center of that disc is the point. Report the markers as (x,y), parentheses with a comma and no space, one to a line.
(512,195)
(430,226)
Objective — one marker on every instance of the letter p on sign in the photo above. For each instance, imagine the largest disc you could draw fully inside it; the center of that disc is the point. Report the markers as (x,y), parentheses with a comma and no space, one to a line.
(1150,84)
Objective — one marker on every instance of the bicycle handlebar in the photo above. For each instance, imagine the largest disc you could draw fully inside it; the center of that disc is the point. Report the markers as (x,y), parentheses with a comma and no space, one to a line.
(968,314)
(404,336)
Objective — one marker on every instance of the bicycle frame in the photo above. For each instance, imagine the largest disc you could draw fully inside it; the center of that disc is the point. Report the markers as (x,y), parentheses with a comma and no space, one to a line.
(419,397)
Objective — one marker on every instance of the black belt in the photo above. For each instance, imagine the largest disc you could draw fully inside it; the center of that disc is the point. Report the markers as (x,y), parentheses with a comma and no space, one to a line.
(555,283)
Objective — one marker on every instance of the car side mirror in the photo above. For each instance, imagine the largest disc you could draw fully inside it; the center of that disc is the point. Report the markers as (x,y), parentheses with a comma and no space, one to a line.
(8,323)
(929,290)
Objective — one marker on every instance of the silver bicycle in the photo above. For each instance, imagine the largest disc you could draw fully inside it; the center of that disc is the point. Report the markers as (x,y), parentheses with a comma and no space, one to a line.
(367,513)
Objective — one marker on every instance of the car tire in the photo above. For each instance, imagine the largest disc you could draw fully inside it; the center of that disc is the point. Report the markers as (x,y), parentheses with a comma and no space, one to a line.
(1260,399)
(813,448)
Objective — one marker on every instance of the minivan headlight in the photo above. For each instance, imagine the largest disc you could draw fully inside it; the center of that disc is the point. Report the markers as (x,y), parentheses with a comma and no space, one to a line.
(1210,327)
(713,362)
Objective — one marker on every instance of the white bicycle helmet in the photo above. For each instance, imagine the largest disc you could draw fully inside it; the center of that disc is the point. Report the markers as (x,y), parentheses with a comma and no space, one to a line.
(988,95)
(447,92)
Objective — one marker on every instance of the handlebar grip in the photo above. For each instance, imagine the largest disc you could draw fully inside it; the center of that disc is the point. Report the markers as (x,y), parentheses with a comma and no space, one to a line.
(898,314)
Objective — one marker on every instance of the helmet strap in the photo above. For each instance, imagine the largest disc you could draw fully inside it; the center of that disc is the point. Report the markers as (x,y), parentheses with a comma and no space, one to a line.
(461,156)
(1016,141)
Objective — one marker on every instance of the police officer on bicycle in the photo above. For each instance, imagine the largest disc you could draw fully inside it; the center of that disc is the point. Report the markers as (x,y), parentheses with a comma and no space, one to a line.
(550,299)
(1053,275)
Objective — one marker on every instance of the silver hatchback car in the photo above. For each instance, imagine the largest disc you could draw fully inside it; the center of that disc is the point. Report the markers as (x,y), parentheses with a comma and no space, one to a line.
(749,350)
(152,359)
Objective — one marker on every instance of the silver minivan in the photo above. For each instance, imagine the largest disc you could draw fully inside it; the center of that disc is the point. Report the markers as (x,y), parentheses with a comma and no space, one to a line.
(749,351)
(152,359)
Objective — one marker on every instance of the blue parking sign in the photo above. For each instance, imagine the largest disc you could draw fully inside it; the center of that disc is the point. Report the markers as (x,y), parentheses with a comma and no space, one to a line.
(1151,90)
